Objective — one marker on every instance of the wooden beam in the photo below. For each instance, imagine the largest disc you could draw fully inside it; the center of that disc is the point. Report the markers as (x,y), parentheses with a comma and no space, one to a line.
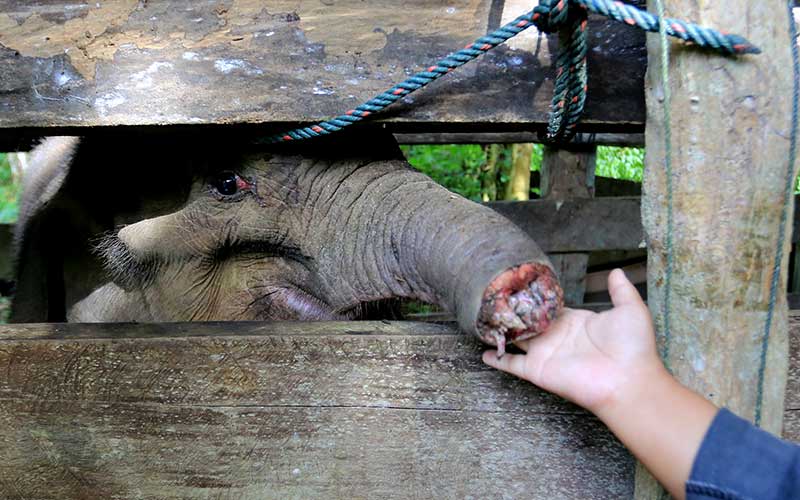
(279,410)
(728,190)
(588,225)
(578,225)
(624,140)
(16,143)
(276,411)
(121,66)
(6,252)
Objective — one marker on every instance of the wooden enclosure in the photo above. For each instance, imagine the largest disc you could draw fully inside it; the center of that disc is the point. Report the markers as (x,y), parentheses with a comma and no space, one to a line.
(366,409)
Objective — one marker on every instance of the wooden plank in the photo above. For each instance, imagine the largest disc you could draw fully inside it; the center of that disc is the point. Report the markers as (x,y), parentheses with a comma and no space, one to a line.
(626,140)
(580,225)
(117,331)
(794,273)
(6,252)
(273,414)
(792,401)
(70,65)
(185,452)
(725,231)
(791,412)
(254,410)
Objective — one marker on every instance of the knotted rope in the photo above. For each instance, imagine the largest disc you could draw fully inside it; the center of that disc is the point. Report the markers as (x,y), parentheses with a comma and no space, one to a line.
(568,18)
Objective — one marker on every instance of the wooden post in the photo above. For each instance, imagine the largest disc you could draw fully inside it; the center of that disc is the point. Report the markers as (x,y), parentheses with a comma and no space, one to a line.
(730,123)
(519,183)
(489,172)
(568,174)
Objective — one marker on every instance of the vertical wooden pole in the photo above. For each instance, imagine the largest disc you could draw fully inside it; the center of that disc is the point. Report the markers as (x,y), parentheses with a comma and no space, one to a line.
(730,126)
(519,183)
(489,172)
(568,174)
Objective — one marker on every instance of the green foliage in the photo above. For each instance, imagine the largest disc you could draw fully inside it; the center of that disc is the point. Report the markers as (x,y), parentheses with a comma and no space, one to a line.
(620,163)
(5,309)
(536,158)
(9,191)
(458,167)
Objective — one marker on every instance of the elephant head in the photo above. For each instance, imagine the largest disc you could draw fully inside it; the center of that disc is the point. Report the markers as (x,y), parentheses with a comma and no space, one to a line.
(320,231)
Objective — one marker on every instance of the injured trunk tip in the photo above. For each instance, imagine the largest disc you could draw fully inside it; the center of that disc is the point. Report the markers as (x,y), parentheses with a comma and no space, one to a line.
(519,304)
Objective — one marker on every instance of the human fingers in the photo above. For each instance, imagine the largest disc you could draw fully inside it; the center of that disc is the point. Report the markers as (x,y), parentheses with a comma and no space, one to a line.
(622,290)
(509,363)
(562,320)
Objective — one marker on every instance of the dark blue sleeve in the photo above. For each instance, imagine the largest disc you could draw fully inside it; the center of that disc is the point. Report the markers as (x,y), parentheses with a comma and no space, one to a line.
(739,461)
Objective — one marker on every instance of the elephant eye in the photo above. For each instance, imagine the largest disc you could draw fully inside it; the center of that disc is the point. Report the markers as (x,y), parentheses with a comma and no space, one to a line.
(226,183)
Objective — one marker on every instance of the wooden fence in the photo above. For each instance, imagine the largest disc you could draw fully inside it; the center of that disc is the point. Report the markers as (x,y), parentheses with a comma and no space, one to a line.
(376,410)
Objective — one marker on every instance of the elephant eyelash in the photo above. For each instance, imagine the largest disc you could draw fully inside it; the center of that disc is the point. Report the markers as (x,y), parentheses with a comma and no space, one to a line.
(230,248)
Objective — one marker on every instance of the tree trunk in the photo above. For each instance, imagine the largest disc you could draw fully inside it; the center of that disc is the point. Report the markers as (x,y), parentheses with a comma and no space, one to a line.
(730,122)
(519,183)
(489,172)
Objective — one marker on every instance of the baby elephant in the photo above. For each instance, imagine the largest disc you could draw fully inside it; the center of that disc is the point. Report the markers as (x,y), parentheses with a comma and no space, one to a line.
(155,228)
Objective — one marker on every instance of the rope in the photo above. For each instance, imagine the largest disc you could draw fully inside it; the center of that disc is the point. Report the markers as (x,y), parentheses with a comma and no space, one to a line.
(787,203)
(667,332)
(568,17)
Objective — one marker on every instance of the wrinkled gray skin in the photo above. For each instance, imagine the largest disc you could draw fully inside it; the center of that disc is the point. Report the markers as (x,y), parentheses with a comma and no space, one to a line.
(303,238)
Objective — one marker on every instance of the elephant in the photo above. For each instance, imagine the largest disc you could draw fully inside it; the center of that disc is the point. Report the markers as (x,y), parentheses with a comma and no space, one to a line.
(162,227)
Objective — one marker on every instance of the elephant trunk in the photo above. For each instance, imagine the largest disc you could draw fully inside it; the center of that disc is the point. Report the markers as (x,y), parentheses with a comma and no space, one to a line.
(421,241)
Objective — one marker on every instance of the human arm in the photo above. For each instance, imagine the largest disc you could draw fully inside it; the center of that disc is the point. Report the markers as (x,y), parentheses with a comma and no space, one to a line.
(608,364)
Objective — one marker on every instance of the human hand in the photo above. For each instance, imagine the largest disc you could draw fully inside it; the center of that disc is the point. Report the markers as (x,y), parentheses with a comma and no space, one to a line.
(588,358)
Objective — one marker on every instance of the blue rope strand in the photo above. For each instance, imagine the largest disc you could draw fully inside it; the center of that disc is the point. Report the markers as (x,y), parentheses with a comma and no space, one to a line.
(787,201)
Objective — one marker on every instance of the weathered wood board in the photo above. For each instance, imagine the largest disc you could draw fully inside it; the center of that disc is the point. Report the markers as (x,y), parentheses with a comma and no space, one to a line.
(327,410)
(6,260)
(579,225)
(791,427)
(621,140)
(291,410)
(128,63)
(587,225)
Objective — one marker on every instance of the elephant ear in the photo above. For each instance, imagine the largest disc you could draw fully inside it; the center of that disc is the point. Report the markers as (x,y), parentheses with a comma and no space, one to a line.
(39,280)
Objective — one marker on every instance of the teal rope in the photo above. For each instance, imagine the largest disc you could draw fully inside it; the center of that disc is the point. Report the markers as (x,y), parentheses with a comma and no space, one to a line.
(667,333)
(787,201)
(568,17)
